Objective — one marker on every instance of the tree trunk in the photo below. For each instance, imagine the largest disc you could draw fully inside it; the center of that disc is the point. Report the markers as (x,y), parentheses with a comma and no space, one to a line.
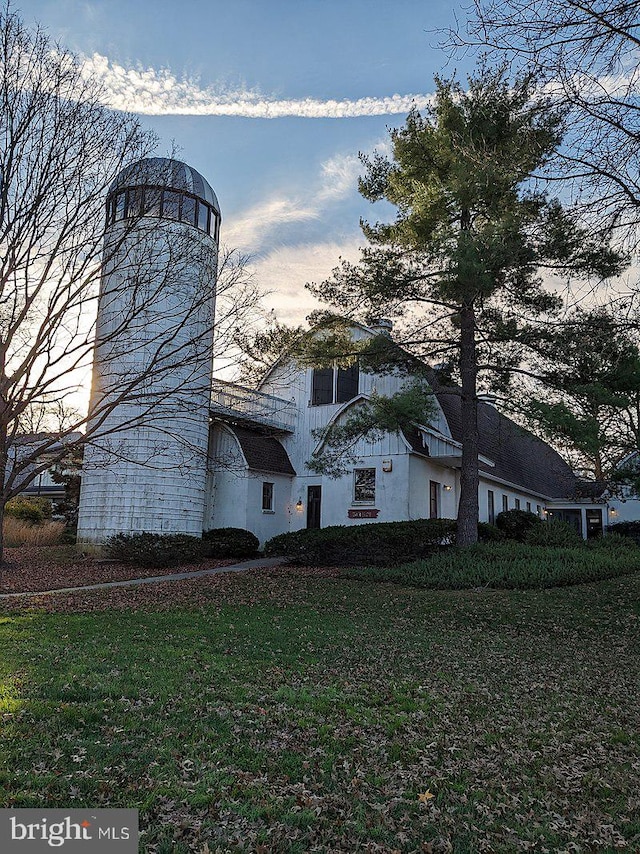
(469,476)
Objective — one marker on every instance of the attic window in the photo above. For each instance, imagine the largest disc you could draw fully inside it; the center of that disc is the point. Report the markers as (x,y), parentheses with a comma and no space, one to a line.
(334,385)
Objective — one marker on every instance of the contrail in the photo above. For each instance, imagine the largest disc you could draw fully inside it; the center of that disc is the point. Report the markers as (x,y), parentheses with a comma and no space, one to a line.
(159,93)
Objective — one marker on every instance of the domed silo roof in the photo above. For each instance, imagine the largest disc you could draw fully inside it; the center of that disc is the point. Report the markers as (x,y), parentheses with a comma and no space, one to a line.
(164,172)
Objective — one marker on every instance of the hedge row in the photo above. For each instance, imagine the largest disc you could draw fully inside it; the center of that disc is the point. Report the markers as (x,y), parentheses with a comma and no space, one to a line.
(378,543)
(162,550)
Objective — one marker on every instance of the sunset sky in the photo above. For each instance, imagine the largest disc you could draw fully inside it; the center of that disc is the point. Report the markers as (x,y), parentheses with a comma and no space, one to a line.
(271,101)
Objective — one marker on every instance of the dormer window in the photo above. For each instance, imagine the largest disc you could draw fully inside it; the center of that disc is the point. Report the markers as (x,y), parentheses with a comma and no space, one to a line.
(334,385)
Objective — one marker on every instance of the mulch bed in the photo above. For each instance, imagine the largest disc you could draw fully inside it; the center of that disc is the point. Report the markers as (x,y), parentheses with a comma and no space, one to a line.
(33,568)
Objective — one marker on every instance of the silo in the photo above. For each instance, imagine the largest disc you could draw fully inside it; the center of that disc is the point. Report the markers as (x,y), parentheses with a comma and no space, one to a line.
(146,460)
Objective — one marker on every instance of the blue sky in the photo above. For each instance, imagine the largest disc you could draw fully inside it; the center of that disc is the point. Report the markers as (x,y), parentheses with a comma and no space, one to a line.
(207,76)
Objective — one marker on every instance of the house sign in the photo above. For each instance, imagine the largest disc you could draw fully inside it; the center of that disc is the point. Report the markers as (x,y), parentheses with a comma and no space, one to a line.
(363,514)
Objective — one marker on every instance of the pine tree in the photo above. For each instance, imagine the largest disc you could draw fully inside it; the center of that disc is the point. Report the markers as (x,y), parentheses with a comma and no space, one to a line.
(472,233)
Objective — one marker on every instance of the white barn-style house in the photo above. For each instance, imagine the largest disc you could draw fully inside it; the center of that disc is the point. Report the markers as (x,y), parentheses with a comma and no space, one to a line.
(233,456)
(261,443)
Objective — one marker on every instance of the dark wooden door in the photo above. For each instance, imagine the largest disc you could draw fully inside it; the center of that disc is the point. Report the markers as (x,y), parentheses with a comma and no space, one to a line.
(314,499)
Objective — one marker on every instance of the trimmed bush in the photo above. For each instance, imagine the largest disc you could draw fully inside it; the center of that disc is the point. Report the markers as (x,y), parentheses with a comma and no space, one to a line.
(508,565)
(34,510)
(516,524)
(488,533)
(554,533)
(230,542)
(379,543)
(627,529)
(159,550)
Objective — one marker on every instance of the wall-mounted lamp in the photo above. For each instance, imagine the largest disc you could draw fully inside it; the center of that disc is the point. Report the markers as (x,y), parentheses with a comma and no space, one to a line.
(299,505)
(447,487)
(613,511)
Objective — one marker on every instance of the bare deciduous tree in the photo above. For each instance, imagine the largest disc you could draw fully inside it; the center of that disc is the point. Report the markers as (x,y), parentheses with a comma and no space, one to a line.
(586,52)
(60,151)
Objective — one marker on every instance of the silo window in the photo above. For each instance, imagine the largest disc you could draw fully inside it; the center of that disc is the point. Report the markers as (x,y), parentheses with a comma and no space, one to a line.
(171,205)
(121,199)
(164,203)
(189,210)
(152,198)
(203,217)
(111,207)
(134,202)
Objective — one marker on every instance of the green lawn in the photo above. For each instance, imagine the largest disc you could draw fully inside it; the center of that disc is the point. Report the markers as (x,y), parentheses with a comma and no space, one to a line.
(307,714)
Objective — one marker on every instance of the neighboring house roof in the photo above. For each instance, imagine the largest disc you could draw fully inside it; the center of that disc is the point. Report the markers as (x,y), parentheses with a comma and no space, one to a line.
(519,456)
(263,453)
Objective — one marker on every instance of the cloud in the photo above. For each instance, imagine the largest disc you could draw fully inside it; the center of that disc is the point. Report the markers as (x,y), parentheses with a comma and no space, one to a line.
(251,228)
(337,179)
(285,270)
(158,92)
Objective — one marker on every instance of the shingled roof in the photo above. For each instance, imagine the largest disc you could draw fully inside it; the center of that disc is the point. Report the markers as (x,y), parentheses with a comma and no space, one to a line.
(263,453)
(519,456)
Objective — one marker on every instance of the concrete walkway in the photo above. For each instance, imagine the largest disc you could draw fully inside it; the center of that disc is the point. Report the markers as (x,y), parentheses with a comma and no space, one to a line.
(174,576)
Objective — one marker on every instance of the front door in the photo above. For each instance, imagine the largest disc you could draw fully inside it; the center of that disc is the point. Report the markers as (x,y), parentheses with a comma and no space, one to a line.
(594,524)
(314,497)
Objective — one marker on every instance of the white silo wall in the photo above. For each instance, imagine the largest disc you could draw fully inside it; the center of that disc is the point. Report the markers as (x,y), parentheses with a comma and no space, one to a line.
(145,470)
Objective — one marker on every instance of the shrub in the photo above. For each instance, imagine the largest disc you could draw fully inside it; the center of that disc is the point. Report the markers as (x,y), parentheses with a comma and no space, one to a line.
(32,510)
(515,524)
(17,532)
(612,542)
(380,543)
(230,542)
(627,529)
(488,533)
(507,565)
(159,550)
(556,533)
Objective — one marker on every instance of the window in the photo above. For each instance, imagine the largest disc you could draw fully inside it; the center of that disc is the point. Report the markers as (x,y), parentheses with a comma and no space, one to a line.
(322,386)
(538,510)
(203,217)
(267,497)
(491,507)
(364,486)
(347,383)
(528,507)
(165,203)
(134,202)
(170,205)
(505,503)
(152,198)
(517,503)
(434,499)
(334,385)
(121,199)
(189,210)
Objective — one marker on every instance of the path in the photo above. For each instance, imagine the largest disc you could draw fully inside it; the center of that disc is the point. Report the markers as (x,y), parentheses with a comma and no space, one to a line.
(154,579)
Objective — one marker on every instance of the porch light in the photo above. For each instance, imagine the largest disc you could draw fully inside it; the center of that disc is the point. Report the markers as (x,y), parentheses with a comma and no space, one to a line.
(613,511)
(447,487)
(299,505)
